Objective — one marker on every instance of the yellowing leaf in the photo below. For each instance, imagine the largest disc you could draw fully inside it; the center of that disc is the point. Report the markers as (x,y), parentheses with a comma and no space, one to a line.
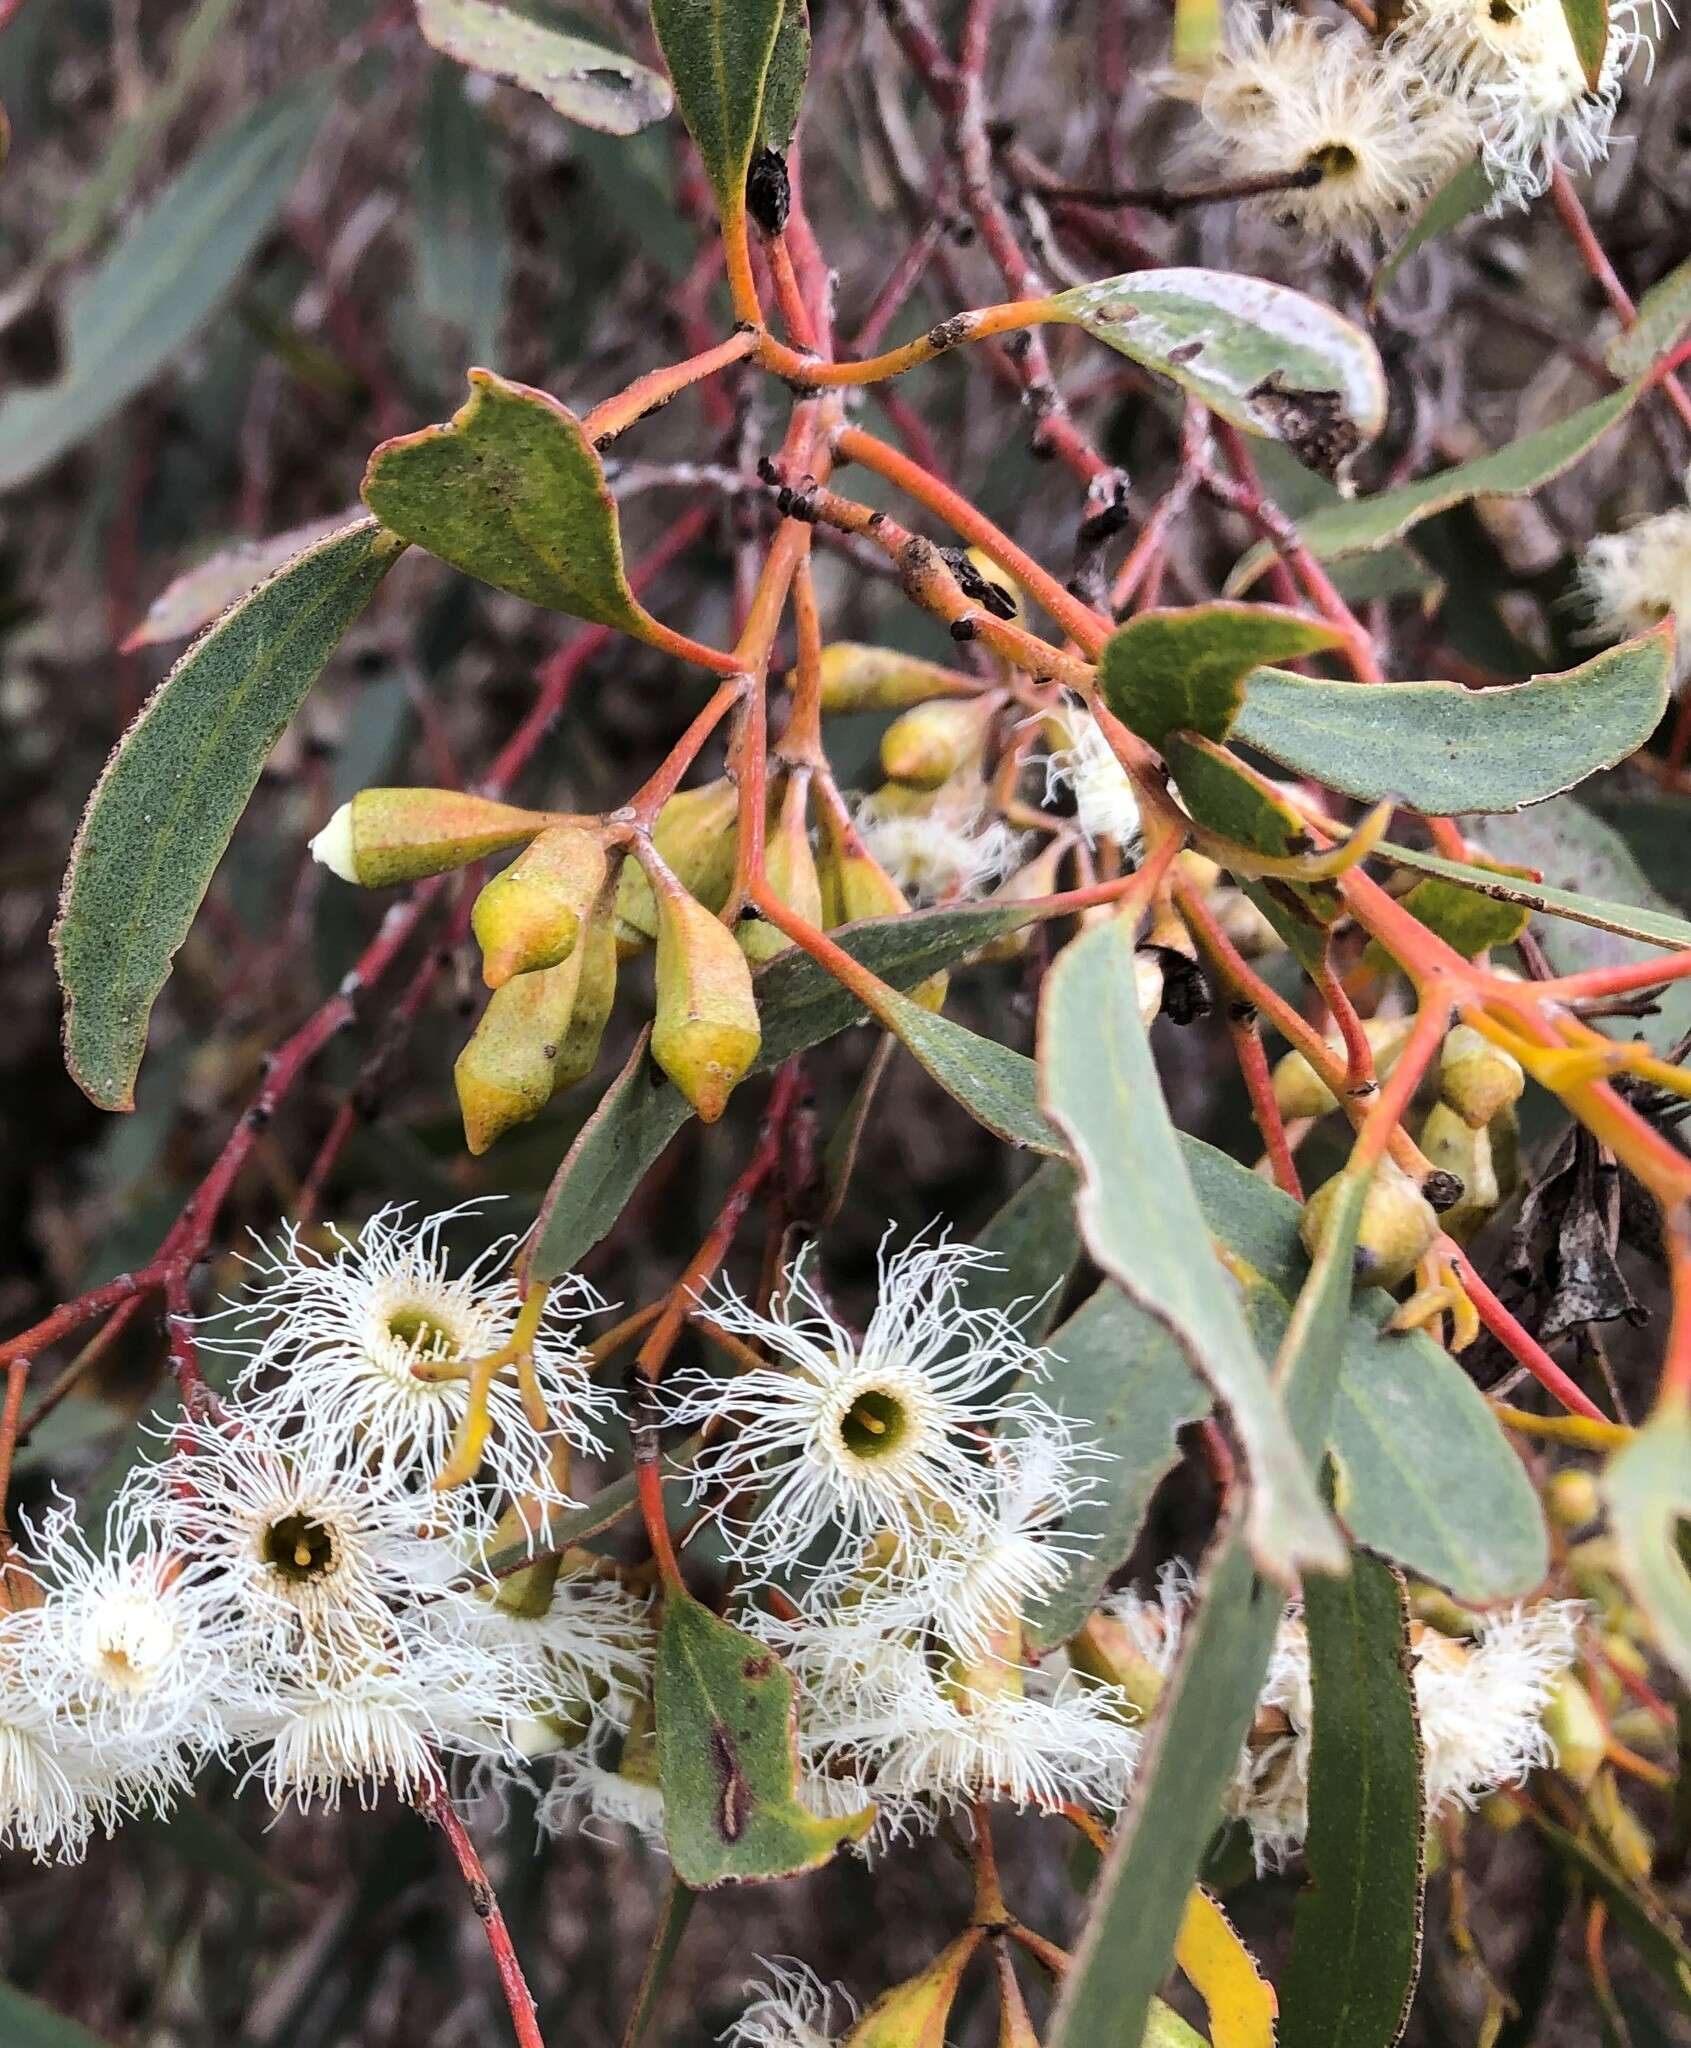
(1225,1975)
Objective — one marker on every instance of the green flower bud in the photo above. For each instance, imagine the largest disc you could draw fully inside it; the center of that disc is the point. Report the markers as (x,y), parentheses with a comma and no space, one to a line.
(531,915)
(1573,1724)
(1398,1225)
(858,678)
(937,740)
(697,839)
(1572,1500)
(1456,1147)
(1299,1090)
(507,1072)
(401,835)
(789,866)
(706,1033)
(1478,1079)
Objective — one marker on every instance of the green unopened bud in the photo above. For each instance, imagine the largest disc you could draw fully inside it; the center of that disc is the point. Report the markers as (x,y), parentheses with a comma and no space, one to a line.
(914,2014)
(1039,877)
(1300,1092)
(594,998)
(400,835)
(789,867)
(1478,1079)
(1576,1730)
(937,740)
(506,1074)
(1398,1225)
(1456,1147)
(1573,1501)
(1105,1652)
(855,887)
(696,838)
(706,1034)
(531,916)
(859,678)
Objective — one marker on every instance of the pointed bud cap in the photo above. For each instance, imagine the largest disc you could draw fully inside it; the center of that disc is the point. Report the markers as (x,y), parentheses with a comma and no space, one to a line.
(705,1034)
(859,678)
(506,1074)
(531,915)
(400,835)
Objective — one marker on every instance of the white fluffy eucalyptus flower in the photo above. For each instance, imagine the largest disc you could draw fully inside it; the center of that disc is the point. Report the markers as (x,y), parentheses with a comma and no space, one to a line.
(792,2008)
(949,849)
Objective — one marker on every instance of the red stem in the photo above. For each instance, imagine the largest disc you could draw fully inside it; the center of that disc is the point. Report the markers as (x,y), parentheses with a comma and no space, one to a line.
(436,1805)
(1519,1343)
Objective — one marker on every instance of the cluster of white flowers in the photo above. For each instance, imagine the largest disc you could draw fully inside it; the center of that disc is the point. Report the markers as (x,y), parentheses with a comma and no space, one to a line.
(794,2009)
(1480,1706)
(904,1489)
(1364,130)
(1633,580)
(286,1586)
(938,851)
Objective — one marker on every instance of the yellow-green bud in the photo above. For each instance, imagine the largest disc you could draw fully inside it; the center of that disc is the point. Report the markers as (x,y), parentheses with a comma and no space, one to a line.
(706,1034)
(1456,1147)
(1398,1225)
(697,839)
(1299,1091)
(1576,1729)
(1572,1500)
(401,835)
(859,678)
(935,741)
(594,997)
(789,866)
(914,2014)
(857,887)
(1105,1652)
(507,1072)
(531,915)
(1478,1079)
(1038,877)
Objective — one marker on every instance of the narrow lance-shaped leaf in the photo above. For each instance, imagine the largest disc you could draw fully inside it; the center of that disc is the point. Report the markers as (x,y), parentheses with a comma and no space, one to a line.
(1651,921)
(1142,1223)
(161,283)
(1357,1926)
(511,490)
(600,88)
(1662,317)
(1523,466)
(727,1760)
(1467,191)
(174,790)
(210,587)
(719,53)
(1440,748)
(1588,25)
(1267,358)
(1648,1490)
(783,90)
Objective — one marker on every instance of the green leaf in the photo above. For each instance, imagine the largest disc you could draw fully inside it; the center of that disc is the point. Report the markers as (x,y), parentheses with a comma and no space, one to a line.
(1647,1487)
(783,91)
(1141,1221)
(1441,748)
(510,491)
(202,593)
(800,1004)
(719,54)
(727,1760)
(1191,1753)
(1361,524)
(27,2023)
(1121,1378)
(1656,926)
(1586,854)
(673,1916)
(1185,670)
(1425,1475)
(174,790)
(1466,921)
(1664,313)
(159,286)
(1310,1355)
(1465,192)
(1269,359)
(1588,25)
(1647,1924)
(1356,1942)
(995,1084)
(461,253)
(600,88)
(1230,798)
(1036,1247)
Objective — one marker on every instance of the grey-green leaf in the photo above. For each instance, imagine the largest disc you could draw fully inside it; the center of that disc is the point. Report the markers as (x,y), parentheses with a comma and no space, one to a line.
(225,576)
(1141,1221)
(154,291)
(174,790)
(719,54)
(1267,358)
(1647,1486)
(26,2023)
(994,1083)
(1356,1941)
(1650,920)
(1191,1753)
(1467,191)
(1440,748)
(600,88)
(1663,315)
(1121,1378)
(1513,471)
